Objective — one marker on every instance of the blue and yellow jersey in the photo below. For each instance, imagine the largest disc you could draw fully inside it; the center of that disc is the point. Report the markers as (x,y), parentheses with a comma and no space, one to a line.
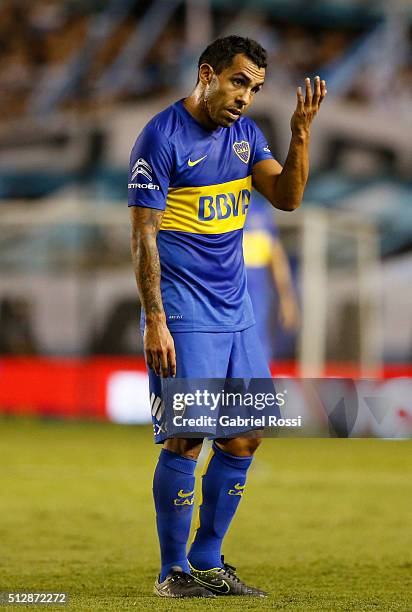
(260,231)
(202,180)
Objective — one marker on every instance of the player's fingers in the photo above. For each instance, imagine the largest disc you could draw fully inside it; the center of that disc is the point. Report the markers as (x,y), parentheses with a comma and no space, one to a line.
(300,104)
(308,97)
(316,97)
(323,90)
(149,359)
(164,368)
(171,356)
(155,363)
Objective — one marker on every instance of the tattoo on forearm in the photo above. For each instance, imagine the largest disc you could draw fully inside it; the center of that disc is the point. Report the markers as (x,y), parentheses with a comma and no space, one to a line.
(145,226)
(148,277)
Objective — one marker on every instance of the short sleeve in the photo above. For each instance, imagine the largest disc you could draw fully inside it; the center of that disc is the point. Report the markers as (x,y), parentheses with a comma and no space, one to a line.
(262,150)
(150,169)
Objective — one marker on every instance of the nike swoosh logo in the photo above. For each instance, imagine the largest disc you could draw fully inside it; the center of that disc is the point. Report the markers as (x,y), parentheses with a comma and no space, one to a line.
(191,163)
(238,486)
(218,588)
(183,494)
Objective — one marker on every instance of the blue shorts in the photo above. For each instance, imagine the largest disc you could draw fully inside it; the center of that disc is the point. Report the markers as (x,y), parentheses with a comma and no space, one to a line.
(210,355)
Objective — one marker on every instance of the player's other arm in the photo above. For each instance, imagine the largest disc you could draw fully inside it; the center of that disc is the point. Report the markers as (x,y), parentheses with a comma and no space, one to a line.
(288,307)
(284,187)
(158,342)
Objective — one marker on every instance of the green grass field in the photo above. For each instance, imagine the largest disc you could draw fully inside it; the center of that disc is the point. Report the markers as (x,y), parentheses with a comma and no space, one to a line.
(324,524)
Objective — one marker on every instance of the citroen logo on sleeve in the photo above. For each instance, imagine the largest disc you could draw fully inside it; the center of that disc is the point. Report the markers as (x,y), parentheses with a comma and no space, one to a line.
(142,167)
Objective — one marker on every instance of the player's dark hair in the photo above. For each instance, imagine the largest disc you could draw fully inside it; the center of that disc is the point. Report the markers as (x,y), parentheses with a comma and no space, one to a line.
(220,53)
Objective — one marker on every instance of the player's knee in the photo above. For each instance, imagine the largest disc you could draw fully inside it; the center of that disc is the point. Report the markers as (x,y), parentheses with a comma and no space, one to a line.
(187,447)
(241,447)
(254,444)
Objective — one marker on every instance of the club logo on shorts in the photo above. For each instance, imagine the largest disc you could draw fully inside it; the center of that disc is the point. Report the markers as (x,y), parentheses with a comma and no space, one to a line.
(242,150)
(142,167)
(238,490)
(183,498)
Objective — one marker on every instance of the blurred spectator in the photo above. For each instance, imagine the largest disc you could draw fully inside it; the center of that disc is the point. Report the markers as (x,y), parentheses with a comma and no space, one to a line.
(39,39)
(16,335)
(268,276)
(162,63)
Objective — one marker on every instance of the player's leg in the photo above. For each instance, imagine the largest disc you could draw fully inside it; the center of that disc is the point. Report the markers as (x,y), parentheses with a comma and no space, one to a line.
(224,481)
(173,485)
(173,493)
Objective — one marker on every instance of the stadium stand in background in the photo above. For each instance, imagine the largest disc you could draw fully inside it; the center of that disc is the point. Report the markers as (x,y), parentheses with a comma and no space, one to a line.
(79,80)
(69,67)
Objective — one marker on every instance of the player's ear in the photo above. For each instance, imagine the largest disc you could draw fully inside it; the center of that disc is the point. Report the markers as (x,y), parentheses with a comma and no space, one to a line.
(206,73)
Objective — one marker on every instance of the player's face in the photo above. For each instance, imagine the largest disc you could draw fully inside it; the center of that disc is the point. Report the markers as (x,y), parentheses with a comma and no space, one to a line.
(229,94)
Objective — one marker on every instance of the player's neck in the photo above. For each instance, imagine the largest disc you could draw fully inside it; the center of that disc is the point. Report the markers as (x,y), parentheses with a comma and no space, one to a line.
(195,106)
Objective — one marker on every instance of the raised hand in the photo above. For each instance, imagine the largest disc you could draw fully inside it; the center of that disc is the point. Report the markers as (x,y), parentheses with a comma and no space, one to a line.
(307,107)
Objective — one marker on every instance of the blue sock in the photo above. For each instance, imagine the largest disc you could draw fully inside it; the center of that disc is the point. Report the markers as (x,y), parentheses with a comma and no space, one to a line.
(173,492)
(223,483)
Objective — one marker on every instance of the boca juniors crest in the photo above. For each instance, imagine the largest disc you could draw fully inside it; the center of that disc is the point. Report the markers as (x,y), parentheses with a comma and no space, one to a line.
(242,150)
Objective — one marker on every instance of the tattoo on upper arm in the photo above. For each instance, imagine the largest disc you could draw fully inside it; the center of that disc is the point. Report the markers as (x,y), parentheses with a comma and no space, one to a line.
(146,219)
(145,226)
